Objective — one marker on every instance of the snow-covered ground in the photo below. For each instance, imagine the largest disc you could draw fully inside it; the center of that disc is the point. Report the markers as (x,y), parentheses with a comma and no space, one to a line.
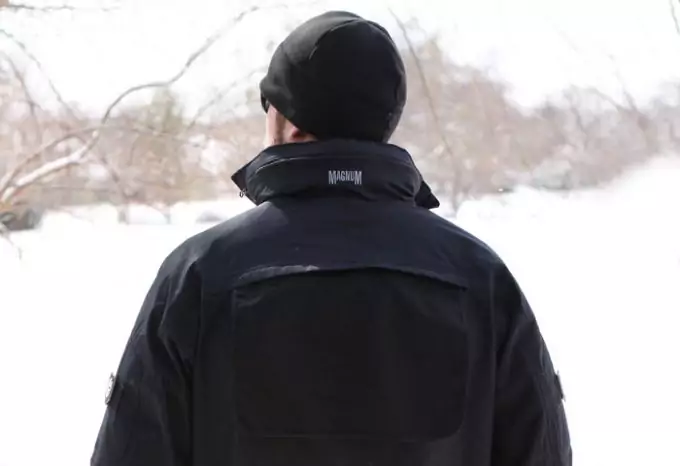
(601,269)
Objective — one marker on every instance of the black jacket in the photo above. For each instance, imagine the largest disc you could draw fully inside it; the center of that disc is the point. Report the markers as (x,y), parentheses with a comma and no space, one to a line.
(339,322)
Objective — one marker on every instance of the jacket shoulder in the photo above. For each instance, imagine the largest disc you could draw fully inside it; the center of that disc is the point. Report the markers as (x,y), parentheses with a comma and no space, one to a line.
(460,240)
(219,247)
(226,233)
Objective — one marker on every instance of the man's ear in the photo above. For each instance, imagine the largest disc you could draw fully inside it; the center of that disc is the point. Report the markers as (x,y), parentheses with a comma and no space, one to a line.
(294,134)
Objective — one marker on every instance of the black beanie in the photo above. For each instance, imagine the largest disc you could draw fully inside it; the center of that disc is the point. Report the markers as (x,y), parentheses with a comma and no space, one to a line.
(338,76)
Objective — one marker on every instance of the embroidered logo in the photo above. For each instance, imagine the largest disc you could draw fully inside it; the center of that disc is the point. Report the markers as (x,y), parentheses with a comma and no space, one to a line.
(345,176)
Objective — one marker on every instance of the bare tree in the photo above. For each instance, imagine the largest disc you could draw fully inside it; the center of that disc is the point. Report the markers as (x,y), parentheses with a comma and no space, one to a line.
(28,168)
(465,149)
(469,137)
(154,157)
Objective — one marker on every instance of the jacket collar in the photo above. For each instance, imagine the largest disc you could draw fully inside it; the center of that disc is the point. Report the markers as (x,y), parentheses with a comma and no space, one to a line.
(374,171)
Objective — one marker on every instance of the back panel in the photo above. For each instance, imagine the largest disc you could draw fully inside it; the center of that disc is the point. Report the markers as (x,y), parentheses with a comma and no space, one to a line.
(369,365)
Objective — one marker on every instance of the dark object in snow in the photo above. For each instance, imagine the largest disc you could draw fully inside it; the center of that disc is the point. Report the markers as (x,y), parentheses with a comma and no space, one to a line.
(21,218)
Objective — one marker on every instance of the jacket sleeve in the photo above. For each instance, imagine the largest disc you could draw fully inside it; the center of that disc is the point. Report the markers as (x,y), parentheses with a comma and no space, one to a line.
(530,426)
(148,414)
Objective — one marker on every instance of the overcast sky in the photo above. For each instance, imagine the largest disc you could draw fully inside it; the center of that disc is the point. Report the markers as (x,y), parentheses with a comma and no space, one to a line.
(540,46)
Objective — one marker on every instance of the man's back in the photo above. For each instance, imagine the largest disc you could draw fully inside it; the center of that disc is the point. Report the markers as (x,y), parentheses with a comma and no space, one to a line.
(336,323)
(339,322)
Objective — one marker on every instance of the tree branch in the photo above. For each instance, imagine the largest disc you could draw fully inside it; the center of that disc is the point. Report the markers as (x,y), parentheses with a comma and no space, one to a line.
(25,50)
(12,184)
(9,180)
(30,101)
(423,79)
(45,170)
(41,9)
(216,99)
(674,15)
(209,42)
(142,130)
(19,7)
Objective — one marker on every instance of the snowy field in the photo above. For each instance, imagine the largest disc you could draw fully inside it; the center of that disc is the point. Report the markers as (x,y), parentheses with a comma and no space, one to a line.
(601,269)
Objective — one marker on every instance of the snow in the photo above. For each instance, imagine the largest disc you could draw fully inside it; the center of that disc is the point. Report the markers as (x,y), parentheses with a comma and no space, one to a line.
(601,269)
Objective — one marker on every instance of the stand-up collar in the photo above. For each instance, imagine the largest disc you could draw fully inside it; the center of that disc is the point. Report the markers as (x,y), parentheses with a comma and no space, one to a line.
(370,170)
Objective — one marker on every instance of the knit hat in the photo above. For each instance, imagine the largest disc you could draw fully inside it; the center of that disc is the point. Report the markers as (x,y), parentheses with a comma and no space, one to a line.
(338,76)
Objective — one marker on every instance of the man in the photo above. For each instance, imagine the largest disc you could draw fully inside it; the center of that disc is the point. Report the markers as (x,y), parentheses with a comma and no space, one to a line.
(339,322)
